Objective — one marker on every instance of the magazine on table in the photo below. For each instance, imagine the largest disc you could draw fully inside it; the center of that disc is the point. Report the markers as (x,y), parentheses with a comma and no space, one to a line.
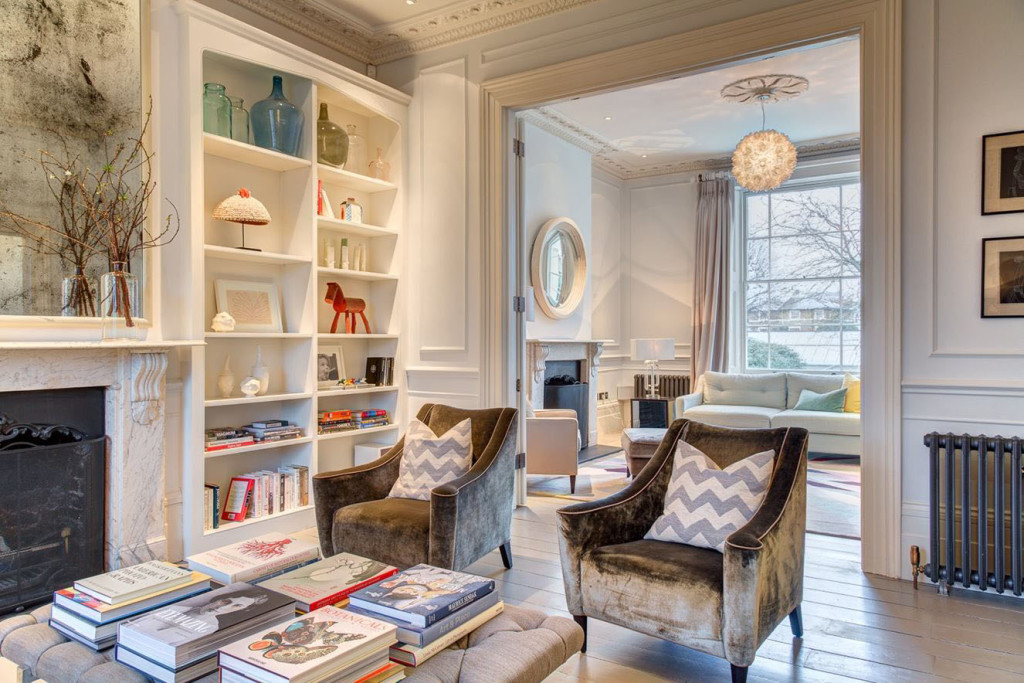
(422,595)
(329,580)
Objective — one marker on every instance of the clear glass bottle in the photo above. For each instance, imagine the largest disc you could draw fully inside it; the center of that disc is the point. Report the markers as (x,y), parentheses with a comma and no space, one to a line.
(239,120)
(379,168)
(119,301)
(356,150)
(331,141)
(216,110)
(77,298)
(277,123)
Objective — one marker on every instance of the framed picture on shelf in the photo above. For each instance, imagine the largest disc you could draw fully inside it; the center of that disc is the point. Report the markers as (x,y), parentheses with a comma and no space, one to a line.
(1002,277)
(1002,173)
(330,366)
(255,306)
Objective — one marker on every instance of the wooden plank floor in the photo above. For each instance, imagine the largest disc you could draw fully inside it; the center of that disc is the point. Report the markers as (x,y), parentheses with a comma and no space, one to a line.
(857,627)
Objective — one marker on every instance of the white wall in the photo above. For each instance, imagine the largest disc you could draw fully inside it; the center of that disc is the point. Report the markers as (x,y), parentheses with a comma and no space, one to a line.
(556,182)
(960,373)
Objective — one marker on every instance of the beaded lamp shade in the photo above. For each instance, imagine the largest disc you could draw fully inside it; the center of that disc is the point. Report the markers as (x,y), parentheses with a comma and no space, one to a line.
(245,209)
(764,159)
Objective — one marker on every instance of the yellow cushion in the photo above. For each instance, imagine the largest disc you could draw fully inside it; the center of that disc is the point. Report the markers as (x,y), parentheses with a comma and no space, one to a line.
(852,384)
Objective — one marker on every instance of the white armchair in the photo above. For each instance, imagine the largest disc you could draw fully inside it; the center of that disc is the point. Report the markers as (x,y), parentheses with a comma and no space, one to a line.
(552,444)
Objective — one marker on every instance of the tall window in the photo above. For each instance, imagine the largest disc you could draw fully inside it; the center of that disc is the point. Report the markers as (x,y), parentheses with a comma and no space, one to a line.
(802,278)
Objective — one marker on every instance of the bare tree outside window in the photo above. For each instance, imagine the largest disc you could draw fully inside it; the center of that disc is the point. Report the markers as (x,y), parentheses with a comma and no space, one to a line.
(803,278)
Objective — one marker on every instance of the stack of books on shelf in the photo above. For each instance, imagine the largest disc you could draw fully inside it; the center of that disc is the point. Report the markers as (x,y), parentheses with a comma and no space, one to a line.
(328,644)
(380,371)
(265,431)
(179,642)
(431,608)
(329,581)
(91,610)
(211,506)
(256,559)
(333,421)
(258,494)
(223,438)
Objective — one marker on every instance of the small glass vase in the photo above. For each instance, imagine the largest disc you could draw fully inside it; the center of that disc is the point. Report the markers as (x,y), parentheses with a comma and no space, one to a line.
(276,122)
(76,296)
(119,292)
(216,110)
(379,168)
(356,150)
(331,141)
(239,120)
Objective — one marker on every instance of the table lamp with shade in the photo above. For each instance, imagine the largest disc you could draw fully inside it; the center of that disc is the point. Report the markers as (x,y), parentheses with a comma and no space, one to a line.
(650,351)
(245,209)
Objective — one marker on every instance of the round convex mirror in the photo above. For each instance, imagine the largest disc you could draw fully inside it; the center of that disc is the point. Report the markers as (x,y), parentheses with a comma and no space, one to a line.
(559,267)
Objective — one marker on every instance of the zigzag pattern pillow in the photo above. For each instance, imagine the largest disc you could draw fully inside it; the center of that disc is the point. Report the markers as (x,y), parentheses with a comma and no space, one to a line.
(429,461)
(705,504)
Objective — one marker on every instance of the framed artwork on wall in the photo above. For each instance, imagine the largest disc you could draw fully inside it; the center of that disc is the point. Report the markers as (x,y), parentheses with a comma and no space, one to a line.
(1002,173)
(330,366)
(1002,277)
(255,306)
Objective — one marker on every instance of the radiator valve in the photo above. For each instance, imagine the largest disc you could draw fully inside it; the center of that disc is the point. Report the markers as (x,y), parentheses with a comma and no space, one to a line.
(915,563)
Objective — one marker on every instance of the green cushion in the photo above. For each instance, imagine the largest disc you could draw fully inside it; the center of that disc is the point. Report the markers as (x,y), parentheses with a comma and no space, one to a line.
(829,402)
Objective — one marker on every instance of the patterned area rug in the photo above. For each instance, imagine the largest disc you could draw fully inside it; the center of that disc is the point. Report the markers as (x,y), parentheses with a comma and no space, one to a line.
(833,490)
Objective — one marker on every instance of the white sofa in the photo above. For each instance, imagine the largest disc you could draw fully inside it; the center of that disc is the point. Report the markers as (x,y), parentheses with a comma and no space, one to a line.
(767,400)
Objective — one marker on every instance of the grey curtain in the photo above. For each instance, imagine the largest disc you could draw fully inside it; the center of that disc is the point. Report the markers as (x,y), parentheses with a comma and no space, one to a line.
(711,278)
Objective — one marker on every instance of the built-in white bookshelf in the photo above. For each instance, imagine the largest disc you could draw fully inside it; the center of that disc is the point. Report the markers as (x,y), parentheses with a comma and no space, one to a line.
(205,46)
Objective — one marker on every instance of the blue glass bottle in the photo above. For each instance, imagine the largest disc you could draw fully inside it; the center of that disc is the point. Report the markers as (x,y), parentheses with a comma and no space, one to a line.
(276,123)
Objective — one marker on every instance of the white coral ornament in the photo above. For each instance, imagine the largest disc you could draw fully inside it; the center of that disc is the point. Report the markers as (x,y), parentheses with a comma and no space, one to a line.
(223,322)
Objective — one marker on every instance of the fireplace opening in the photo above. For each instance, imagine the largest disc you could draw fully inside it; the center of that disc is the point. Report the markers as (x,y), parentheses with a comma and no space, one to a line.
(565,389)
(53,501)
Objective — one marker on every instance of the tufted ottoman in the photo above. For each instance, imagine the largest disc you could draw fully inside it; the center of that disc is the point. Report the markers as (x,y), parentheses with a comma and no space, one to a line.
(640,445)
(517,646)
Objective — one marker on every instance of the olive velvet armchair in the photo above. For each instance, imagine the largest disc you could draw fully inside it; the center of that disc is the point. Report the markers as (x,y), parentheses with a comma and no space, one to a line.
(723,603)
(463,520)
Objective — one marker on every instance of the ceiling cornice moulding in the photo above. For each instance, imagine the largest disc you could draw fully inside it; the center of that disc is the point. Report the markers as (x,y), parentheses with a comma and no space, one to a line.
(386,43)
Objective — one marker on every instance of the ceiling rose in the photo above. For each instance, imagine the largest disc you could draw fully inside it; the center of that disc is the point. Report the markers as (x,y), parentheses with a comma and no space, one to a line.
(764,159)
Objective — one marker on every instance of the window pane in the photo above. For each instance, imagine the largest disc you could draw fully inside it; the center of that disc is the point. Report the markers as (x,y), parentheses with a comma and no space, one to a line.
(757,215)
(851,207)
(757,348)
(801,212)
(757,260)
(812,255)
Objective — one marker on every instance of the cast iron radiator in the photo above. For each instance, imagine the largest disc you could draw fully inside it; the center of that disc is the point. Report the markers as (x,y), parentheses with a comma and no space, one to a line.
(669,386)
(962,551)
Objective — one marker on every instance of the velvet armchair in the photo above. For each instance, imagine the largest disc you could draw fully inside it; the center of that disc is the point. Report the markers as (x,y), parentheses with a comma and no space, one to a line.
(463,520)
(725,604)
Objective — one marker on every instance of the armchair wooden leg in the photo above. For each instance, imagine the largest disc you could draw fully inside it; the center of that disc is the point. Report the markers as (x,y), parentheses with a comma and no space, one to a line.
(739,674)
(796,623)
(506,554)
(572,483)
(582,621)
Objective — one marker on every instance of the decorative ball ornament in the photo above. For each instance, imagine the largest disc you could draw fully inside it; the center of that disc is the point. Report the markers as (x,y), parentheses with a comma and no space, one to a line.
(763,160)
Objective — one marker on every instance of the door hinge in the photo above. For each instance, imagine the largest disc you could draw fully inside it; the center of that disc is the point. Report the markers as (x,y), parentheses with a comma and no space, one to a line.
(519,385)
(518,147)
(519,304)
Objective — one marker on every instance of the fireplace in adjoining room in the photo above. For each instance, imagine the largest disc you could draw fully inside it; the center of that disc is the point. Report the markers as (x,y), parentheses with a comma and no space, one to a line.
(52,497)
(565,389)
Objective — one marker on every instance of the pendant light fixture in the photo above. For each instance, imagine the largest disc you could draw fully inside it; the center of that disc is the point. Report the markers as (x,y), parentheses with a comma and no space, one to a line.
(764,159)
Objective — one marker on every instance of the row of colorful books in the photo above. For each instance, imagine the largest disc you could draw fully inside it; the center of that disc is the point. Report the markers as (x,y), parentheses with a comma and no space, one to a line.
(169,625)
(259,431)
(331,421)
(257,494)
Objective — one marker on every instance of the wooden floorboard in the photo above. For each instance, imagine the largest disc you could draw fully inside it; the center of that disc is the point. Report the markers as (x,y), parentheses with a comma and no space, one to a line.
(856,626)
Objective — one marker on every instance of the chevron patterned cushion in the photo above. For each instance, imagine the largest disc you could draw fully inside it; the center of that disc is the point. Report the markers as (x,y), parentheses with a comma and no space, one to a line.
(705,504)
(429,461)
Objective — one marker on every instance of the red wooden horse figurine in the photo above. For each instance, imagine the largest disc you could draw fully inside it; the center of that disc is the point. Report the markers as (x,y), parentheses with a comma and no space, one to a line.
(350,307)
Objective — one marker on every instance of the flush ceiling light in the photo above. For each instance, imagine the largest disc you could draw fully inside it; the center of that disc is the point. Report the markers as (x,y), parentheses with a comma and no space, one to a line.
(764,159)
(607,118)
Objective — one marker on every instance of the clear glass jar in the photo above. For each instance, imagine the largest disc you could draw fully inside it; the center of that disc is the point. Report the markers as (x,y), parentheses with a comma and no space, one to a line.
(76,296)
(216,110)
(356,150)
(379,168)
(119,301)
(239,120)
(331,141)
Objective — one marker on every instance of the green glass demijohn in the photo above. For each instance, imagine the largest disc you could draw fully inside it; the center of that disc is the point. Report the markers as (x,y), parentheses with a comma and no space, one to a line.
(331,141)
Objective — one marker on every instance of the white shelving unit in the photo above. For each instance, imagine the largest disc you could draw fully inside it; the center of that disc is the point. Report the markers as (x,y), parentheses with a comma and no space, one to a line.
(201,45)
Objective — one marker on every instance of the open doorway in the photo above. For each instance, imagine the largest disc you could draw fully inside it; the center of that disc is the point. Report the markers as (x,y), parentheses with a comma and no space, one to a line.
(620,172)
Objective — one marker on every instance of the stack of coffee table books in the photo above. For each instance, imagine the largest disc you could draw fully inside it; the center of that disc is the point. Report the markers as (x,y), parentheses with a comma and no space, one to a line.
(255,559)
(328,644)
(431,608)
(90,610)
(179,642)
(329,581)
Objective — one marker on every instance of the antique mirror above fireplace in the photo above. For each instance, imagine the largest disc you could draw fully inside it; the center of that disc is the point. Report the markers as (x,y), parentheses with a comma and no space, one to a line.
(559,267)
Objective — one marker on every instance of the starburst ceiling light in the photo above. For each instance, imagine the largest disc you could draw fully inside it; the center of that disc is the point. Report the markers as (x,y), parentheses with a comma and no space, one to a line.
(764,159)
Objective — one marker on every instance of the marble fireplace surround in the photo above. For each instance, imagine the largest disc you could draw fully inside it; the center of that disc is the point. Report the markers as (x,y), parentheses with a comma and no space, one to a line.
(133,377)
(587,351)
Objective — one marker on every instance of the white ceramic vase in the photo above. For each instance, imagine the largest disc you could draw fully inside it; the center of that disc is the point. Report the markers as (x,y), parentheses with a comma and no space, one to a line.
(250,386)
(259,371)
(226,379)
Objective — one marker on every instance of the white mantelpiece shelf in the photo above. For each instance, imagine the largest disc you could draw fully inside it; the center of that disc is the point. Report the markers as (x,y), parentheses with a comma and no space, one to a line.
(98,345)
(570,341)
